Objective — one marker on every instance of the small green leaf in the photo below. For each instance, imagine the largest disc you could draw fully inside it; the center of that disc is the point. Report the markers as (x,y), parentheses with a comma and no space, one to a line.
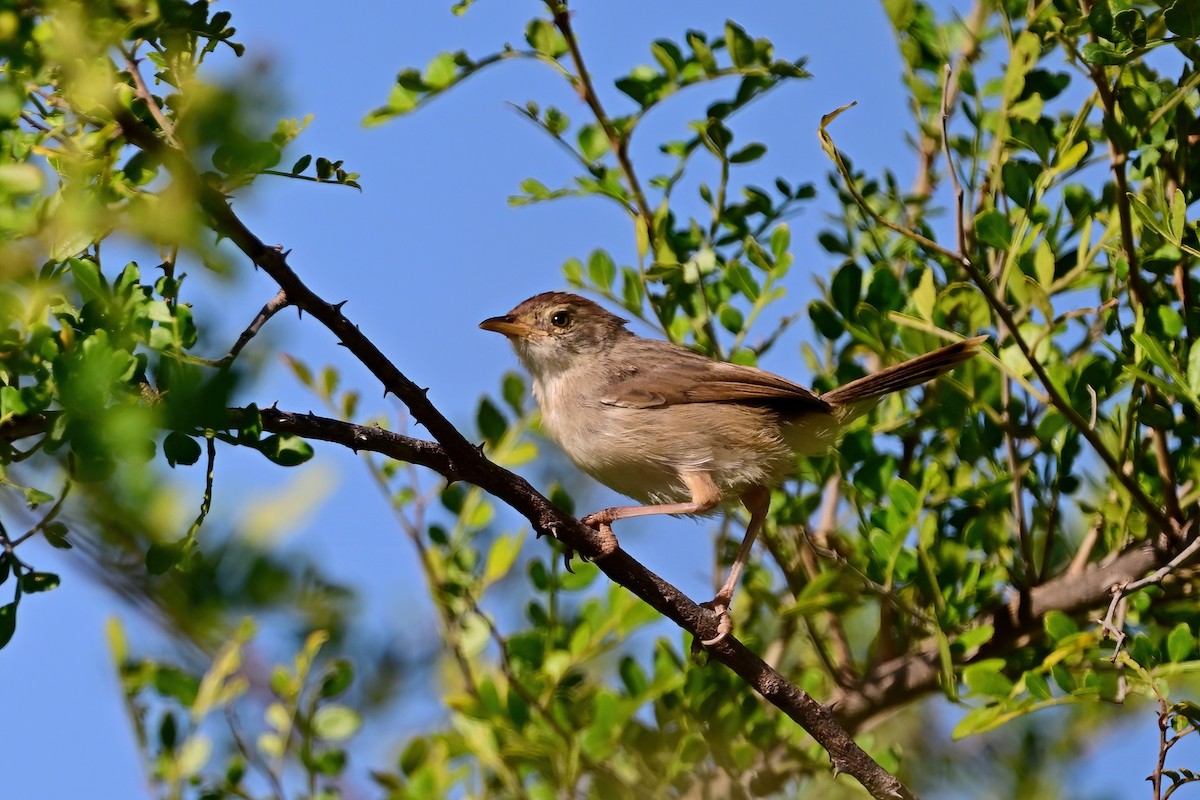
(179,448)
(338,677)
(441,71)
(1180,643)
(34,582)
(985,678)
(501,557)
(301,164)
(1043,264)
(1193,373)
(513,391)
(846,289)
(826,320)
(55,534)
(1059,626)
(285,449)
(781,240)
(573,271)
(8,623)
(88,279)
(751,152)
(544,37)
(162,557)
(731,319)
(741,46)
(993,229)
(336,722)
(601,269)
(490,421)
(925,295)
(1103,55)
(593,142)
(1037,686)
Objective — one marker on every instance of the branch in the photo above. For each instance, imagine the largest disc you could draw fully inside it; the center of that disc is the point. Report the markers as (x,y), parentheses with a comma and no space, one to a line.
(465,461)
(899,680)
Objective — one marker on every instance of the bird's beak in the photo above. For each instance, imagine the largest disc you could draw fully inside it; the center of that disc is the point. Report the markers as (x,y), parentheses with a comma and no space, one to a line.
(508,326)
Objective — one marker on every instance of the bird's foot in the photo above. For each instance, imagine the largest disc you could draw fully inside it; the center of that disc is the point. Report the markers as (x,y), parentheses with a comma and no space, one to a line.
(720,608)
(608,540)
(602,523)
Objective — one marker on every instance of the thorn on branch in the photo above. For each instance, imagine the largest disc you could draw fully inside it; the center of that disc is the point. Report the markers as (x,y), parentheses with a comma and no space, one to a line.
(337,307)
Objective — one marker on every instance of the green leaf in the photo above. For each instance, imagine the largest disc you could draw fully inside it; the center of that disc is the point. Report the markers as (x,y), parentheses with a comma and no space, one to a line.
(925,295)
(1059,626)
(34,582)
(1183,18)
(731,319)
(601,269)
(702,51)
(1180,643)
(162,557)
(825,320)
(545,38)
(513,391)
(741,46)
(1037,686)
(846,289)
(8,623)
(985,678)
(441,71)
(993,229)
(739,275)
(55,534)
(88,279)
(573,271)
(490,421)
(501,557)
(338,677)
(1043,264)
(285,449)
(751,152)
(179,448)
(593,141)
(781,240)
(1103,55)
(301,164)
(904,504)
(1193,374)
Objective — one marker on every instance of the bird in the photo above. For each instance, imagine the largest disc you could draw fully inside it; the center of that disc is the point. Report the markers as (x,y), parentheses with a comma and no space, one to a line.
(675,430)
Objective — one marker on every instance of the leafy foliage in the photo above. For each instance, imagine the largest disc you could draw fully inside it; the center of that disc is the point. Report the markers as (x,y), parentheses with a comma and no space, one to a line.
(969,540)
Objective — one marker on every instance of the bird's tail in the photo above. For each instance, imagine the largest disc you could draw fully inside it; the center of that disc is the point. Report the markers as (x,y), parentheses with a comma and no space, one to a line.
(903,376)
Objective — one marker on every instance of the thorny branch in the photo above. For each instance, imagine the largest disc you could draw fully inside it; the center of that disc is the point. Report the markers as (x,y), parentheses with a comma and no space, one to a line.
(458,458)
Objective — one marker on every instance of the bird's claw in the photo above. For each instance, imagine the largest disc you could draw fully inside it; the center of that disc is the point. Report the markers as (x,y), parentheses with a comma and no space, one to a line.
(608,542)
(720,609)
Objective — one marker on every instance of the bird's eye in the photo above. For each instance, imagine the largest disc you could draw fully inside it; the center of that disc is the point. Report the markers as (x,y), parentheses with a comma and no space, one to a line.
(560,319)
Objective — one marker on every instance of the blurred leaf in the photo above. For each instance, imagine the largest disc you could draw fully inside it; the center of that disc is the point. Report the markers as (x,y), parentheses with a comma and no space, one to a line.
(336,722)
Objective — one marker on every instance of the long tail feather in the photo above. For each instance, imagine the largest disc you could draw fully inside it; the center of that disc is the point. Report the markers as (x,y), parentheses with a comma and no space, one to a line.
(903,376)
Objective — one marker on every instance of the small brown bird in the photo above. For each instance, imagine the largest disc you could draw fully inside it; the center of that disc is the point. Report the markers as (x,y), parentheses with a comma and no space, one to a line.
(674,430)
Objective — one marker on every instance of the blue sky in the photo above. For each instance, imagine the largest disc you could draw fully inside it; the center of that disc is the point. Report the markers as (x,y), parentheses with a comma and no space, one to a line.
(429,248)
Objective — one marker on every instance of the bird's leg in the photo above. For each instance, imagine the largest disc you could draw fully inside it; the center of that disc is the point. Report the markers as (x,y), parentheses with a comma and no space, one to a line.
(705,496)
(757,501)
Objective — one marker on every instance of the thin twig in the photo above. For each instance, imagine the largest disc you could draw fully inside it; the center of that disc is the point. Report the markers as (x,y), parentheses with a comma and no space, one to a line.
(587,93)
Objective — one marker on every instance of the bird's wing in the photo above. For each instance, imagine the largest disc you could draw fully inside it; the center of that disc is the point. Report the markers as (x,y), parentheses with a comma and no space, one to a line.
(685,377)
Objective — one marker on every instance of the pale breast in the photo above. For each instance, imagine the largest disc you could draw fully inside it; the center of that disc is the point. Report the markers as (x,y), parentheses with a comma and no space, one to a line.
(642,452)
